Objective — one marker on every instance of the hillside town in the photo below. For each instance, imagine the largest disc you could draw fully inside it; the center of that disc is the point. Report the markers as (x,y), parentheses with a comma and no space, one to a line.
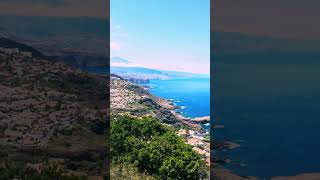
(43,107)
(47,107)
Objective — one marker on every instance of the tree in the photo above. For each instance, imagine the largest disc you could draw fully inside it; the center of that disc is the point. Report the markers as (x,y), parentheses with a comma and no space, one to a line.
(153,148)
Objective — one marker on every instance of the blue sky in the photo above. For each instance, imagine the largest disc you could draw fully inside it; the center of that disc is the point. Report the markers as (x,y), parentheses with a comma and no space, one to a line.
(161,34)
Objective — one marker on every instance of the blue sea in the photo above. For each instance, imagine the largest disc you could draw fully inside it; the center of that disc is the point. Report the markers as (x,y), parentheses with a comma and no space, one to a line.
(271,108)
(192,94)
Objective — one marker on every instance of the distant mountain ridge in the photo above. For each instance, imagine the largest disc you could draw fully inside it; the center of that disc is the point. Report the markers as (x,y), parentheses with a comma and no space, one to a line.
(143,73)
(7,43)
(234,47)
(78,41)
(235,42)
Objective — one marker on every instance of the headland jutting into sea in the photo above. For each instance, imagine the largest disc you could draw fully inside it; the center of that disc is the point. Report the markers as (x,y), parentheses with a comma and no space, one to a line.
(136,100)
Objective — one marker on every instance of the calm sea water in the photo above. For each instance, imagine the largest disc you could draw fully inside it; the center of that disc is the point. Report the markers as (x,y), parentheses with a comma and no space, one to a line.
(193,94)
(272,109)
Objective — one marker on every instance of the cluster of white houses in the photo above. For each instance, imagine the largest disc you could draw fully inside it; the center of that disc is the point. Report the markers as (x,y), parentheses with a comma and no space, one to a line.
(197,140)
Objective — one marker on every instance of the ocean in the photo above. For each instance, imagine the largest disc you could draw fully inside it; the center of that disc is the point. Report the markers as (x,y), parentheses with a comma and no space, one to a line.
(271,108)
(192,94)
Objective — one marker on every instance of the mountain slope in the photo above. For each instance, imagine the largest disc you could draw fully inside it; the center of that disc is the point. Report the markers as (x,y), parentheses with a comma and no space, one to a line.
(50,111)
(8,43)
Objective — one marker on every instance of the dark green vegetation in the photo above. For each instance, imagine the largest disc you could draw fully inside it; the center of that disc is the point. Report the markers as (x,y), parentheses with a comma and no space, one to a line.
(153,148)
(125,171)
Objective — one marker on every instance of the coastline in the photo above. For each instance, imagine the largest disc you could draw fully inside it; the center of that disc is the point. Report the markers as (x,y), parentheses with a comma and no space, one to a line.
(135,99)
(194,122)
(191,129)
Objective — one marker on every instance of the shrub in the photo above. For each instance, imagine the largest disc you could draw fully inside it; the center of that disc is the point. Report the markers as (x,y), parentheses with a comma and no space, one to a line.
(153,148)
